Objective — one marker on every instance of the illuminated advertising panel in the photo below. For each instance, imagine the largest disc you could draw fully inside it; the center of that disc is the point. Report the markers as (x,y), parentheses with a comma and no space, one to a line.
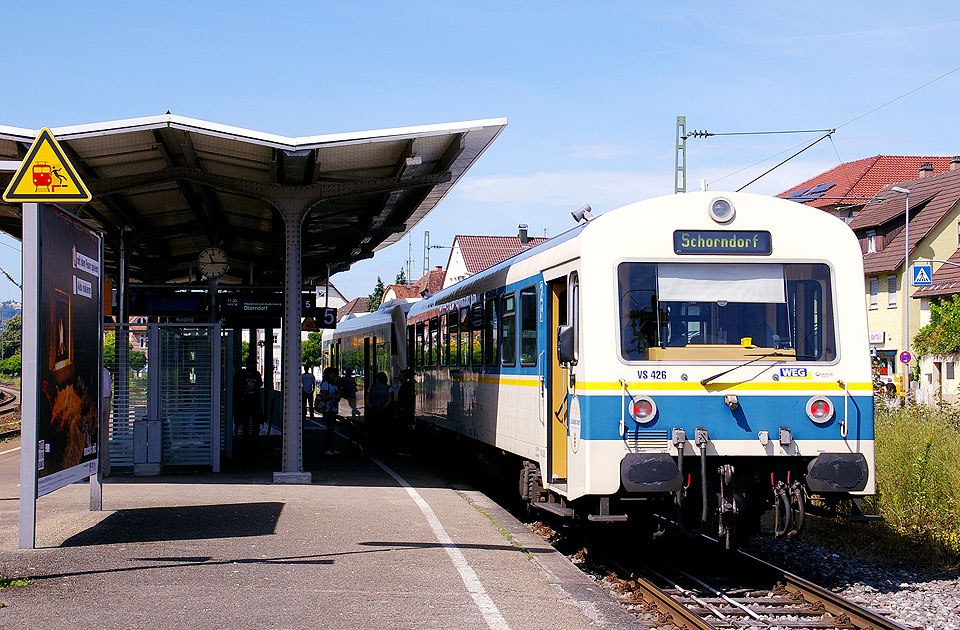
(68,352)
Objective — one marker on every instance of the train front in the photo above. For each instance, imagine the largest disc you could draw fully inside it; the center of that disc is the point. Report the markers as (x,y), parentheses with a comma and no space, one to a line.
(730,328)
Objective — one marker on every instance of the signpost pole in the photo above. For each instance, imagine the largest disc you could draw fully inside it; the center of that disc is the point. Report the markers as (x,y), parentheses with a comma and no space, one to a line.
(28,422)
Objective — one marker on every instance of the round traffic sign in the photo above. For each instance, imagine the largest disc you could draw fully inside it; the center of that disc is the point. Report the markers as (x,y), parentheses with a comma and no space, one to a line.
(906,357)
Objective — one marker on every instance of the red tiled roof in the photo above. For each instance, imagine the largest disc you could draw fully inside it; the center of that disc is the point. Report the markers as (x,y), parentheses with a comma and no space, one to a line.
(866,177)
(931,198)
(431,282)
(356,305)
(404,290)
(946,279)
(481,252)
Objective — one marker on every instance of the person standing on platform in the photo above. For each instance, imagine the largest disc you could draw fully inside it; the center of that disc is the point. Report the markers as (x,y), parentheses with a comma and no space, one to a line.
(308,383)
(379,409)
(106,398)
(247,414)
(329,406)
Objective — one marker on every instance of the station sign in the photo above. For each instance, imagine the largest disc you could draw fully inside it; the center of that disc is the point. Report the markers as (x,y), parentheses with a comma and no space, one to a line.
(155,302)
(46,175)
(266,304)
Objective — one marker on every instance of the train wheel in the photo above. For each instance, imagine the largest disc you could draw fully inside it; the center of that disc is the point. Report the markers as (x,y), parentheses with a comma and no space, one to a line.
(530,486)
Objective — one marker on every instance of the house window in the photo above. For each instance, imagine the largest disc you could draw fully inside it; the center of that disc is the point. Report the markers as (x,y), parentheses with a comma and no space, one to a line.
(950,370)
(891,292)
(871,242)
(874,291)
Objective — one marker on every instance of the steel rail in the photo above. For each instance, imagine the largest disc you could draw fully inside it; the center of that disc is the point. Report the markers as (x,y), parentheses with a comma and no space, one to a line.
(845,610)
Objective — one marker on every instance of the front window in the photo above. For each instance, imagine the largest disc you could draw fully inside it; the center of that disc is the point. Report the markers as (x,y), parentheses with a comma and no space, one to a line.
(718,312)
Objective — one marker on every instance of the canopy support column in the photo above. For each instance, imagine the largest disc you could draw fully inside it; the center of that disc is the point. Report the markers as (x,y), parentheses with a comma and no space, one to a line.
(292,440)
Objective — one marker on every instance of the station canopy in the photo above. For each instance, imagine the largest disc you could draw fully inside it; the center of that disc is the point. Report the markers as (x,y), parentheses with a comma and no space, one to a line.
(168,187)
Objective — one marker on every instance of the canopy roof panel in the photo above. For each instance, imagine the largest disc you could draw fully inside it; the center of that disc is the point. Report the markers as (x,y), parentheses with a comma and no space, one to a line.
(171,186)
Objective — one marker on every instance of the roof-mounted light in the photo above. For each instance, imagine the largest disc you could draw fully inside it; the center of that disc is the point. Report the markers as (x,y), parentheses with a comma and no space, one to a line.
(722,211)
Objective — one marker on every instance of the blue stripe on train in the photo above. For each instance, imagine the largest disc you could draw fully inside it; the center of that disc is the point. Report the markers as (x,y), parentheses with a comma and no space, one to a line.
(600,417)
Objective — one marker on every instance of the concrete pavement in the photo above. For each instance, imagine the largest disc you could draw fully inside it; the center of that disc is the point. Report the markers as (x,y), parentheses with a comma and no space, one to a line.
(369,544)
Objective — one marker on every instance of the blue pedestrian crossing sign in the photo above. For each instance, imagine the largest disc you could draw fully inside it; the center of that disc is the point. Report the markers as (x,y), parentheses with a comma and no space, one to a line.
(922,275)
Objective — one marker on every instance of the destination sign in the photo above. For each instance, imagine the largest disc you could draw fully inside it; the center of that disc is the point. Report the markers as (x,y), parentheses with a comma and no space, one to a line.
(722,242)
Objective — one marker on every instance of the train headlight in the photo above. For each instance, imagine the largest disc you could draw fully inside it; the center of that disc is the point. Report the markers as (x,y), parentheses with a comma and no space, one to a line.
(819,409)
(722,211)
(643,409)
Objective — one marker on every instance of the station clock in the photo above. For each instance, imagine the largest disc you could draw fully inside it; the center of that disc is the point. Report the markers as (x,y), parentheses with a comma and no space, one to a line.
(213,262)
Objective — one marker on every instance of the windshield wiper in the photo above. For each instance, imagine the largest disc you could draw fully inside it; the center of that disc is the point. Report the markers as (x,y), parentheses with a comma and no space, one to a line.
(737,367)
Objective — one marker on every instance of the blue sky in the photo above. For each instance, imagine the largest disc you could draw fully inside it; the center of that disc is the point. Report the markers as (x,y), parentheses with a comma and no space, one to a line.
(591,90)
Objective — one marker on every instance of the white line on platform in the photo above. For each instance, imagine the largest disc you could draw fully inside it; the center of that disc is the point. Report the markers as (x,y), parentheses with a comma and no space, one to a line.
(491,614)
(12,450)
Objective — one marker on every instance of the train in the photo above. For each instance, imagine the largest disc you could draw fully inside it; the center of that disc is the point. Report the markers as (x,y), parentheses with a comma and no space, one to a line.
(700,357)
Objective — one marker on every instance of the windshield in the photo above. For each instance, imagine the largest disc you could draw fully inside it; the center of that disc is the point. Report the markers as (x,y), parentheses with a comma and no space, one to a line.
(719,312)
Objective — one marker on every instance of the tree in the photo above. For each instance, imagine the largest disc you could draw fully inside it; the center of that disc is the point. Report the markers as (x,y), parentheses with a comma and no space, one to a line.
(401,277)
(312,351)
(942,334)
(136,359)
(10,366)
(244,352)
(374,299)
(10,337)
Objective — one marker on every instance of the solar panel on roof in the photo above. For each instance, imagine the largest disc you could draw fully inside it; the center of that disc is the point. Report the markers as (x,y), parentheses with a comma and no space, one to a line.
(797,193)
(818,190)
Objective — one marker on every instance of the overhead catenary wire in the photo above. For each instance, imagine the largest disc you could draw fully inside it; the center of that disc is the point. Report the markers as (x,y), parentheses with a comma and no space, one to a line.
(705,134)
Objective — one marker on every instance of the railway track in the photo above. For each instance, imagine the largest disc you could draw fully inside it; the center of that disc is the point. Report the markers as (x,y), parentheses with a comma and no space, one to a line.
(9,402)
(711,589)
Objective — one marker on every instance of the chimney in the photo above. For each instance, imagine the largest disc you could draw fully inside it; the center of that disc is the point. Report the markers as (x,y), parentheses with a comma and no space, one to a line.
(926,169)
(955,163)
(523,234)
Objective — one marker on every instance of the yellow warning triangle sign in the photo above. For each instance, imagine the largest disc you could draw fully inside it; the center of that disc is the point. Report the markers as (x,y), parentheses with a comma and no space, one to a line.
(46,175)
(308,324)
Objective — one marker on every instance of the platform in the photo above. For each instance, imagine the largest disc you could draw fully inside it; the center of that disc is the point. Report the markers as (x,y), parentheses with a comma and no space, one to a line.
(369,544)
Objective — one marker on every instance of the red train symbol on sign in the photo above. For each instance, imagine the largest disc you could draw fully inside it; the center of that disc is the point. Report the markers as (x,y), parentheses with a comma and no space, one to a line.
(43,175)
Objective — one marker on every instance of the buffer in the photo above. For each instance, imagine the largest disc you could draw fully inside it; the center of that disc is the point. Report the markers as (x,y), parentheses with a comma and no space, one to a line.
(46,175)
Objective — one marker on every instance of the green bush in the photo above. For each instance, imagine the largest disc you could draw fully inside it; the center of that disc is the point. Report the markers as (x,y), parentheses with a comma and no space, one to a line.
(918,473)
(10,366)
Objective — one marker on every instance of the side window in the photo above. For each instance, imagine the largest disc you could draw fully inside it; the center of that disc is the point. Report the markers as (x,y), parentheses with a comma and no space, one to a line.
(453,324)
(443,351)
(465,337)
(491,327)
(574,311)
(419,354)
(476,331)
(434,341)
(528,326)
(508,329)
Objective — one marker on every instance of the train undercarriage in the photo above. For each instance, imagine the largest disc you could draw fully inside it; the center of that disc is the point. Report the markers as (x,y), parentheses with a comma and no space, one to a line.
(721,497)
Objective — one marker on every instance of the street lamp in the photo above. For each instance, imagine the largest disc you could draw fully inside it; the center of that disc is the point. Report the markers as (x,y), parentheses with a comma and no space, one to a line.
(906,287)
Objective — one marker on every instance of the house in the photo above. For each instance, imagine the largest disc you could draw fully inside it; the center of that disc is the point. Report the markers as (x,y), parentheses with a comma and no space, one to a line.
(472,254)
(934,236)
(354,308)
(843,191)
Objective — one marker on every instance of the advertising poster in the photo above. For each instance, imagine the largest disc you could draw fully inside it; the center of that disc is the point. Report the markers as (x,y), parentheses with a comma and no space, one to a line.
(68,358)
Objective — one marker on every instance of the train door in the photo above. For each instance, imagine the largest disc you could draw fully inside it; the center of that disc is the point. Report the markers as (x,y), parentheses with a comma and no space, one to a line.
(368,359)
(557,410)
